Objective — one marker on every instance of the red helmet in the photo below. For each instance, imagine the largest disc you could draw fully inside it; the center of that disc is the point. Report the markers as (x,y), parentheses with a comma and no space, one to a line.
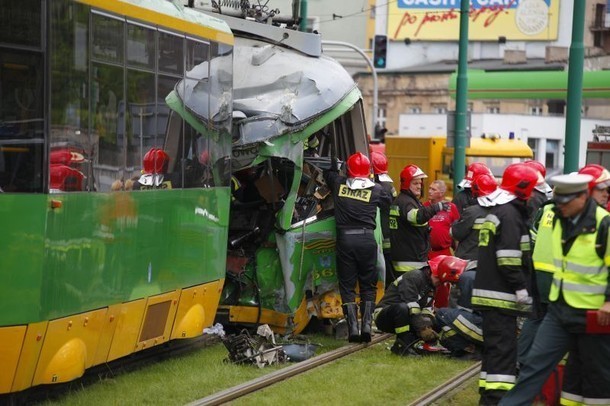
(475,169)
(64,178)
(601,176)
(409,173)
(156,161)
(447,268)
(380,163)
(537,166)
(483,185)
(519,179)
(358,166)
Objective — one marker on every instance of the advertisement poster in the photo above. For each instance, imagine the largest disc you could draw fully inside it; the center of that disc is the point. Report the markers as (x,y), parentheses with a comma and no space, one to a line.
(439,20)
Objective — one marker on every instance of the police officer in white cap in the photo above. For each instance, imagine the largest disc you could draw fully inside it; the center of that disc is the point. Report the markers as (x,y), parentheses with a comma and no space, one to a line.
(581,284)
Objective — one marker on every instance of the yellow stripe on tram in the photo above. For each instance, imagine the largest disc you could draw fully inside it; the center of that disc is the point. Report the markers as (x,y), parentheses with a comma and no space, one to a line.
(161,20)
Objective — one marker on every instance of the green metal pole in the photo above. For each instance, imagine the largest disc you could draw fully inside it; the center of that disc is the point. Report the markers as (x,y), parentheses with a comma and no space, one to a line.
(303,14)
(461,99)
(575,69)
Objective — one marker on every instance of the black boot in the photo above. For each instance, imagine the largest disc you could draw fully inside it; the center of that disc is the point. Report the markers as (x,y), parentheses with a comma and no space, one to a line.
(366,310)
(350,311)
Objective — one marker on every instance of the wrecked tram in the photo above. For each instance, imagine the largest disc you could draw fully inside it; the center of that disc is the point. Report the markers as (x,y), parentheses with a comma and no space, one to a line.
(293,109)
(237,228)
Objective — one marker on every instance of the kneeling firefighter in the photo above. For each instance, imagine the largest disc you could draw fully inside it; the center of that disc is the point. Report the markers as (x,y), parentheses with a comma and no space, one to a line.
(400,310)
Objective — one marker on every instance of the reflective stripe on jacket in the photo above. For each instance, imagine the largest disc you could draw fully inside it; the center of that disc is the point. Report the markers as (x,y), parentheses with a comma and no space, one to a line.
(543,253)
(582,274)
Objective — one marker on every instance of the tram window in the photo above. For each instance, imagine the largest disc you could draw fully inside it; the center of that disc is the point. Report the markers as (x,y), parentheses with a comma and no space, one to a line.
(21,22)
(21,121)
(196,53)
(107,38)
(171,53)
(140,117)
(140,47)
(108,107)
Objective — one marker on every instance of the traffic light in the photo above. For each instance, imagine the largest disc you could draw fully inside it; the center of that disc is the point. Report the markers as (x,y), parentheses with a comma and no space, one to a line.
(380,49)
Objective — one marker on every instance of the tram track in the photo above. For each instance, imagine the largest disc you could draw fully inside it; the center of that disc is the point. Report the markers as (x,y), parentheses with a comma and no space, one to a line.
(443,390)
(245,388)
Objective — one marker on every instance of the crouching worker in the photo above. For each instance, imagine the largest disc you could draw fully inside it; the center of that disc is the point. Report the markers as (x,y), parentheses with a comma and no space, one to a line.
(461,327)
(400,309)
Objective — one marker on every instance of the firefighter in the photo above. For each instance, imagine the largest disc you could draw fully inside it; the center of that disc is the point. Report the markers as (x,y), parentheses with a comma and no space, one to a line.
(466,230)
(154,168)
(501,286)
(463,198)
(380,171)
(461,325)
(400,311)
(579,246)
(409,230)
(356,199)
(598,187)
(541,194)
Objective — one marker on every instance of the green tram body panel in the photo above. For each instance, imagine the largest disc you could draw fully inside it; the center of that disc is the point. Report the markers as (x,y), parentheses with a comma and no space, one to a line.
(99,249)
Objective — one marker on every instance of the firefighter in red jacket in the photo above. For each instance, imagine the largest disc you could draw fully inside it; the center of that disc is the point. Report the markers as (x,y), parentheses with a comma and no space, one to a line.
(502,283)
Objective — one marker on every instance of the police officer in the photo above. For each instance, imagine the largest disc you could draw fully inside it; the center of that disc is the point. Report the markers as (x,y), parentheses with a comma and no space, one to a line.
(400,311)
(380,170)
(502,281)
(579,246)
(409,231)
(356,199)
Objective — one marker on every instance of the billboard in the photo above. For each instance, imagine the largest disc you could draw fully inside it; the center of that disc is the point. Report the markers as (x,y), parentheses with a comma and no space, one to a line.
(439,20)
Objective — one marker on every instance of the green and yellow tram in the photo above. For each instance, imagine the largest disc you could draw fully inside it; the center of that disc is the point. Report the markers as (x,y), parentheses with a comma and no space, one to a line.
(91,271)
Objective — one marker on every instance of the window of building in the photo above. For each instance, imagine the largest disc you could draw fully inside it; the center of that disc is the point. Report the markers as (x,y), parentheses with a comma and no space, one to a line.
(381,116)
(536,110)
(556,107)
(439,108)
(551,160)
(414,110)
(533,144)
(492,109)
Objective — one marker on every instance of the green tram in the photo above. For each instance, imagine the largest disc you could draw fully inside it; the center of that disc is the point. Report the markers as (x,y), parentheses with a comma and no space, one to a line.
(90,270)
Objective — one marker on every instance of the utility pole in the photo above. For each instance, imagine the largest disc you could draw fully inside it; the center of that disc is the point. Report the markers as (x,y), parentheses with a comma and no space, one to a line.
(574,103)
(373,72)
(461,99)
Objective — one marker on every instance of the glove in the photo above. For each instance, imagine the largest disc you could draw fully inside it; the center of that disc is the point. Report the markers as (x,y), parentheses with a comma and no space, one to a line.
(523,297)
(442,206)
(427,334)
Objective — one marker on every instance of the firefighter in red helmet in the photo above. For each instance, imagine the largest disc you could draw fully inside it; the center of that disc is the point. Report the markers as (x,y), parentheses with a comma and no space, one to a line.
(599,186)
(356,199)
(380,171)
(541,194)
(466,230)
(154,171)
(463,198)
(409,231)
(502,283)
(402,310)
